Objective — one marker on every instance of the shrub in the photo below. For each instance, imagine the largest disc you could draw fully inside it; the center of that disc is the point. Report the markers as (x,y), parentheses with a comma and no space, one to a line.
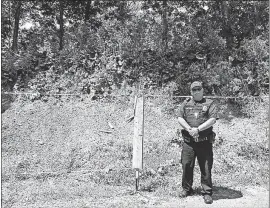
(256,108)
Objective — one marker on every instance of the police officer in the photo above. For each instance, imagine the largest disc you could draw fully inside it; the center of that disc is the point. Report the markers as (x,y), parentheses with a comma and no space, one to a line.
(197,115)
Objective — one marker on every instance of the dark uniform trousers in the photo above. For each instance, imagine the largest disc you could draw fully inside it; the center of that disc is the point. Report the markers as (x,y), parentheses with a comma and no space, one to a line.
(204,152)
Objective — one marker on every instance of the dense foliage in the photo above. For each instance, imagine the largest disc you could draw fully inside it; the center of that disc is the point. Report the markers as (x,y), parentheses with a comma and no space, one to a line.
(99,46)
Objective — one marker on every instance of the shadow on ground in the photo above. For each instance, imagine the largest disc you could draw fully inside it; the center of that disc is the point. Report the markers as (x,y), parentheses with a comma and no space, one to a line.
(223,193)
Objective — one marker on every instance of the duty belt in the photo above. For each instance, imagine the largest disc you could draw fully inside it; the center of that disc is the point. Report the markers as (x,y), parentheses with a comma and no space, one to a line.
(210,136)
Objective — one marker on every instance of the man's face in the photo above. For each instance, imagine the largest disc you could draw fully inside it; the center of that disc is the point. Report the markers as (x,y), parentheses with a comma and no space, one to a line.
(197,93)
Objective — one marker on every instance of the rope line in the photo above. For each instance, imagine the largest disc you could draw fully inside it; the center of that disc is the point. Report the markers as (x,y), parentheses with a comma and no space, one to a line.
(83,171)
(37,93)
(173,96)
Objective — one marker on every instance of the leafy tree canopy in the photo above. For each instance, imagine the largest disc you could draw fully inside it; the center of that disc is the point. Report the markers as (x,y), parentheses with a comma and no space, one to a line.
(84,46)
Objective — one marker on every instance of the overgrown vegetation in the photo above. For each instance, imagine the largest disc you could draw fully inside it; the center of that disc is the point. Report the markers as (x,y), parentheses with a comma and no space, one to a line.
(107,49)
(108,45)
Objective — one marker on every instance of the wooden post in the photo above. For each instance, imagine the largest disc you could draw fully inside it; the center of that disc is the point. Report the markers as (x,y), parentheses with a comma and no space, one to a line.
(137,160)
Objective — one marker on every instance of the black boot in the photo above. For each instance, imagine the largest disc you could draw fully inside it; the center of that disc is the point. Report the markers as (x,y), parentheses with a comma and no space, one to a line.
(183,193)
(208,199)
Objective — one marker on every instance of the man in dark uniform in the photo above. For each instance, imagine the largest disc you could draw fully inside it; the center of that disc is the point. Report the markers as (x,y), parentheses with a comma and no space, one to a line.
(197,116)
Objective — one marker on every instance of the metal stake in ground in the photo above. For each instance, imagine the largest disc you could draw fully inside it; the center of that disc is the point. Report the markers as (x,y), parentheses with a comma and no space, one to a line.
(137,179)
(137,160)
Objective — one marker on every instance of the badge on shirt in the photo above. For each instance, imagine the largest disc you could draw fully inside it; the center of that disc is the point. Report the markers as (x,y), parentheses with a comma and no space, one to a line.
(204,109)
(196,114)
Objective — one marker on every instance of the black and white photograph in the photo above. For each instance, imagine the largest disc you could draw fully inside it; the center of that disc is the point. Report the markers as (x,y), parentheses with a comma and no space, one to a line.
(137,104)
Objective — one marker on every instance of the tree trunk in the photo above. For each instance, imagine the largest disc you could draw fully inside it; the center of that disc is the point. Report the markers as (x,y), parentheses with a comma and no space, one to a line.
(61,34)
(87,11)
(165,26)
(9,16)
(16,26)
(87,16)
(227,31)
(164,36)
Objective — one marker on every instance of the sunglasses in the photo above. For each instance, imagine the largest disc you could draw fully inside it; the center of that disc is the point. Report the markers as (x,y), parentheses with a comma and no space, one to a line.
(196,89)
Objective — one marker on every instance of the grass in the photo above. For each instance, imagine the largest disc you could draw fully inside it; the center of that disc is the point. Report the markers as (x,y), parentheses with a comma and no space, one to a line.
(55,152)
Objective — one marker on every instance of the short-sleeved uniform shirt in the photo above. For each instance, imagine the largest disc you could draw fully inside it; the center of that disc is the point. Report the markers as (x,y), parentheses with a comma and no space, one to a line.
(196,113)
